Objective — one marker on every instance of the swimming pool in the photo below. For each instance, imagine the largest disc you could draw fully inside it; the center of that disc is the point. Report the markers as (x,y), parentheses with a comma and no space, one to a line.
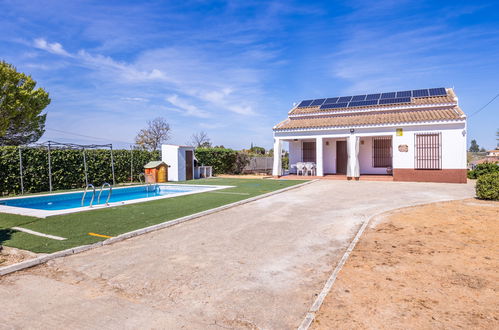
(62,203)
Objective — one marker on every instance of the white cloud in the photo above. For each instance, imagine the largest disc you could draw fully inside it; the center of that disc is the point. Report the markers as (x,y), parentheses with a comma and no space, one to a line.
(54,48)
(135,99)
(188,109)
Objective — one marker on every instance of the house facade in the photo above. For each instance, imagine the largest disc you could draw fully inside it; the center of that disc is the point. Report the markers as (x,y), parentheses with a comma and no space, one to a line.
(417,135)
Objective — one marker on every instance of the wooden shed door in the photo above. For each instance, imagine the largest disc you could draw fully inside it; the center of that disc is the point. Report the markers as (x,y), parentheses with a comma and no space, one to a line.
(188,164)
(162,174)
(341,157)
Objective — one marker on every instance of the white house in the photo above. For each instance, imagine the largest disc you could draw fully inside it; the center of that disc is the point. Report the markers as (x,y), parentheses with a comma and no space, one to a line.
(417,135)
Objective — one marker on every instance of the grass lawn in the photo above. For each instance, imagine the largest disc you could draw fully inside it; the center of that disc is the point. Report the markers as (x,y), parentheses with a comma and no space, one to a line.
(118,220)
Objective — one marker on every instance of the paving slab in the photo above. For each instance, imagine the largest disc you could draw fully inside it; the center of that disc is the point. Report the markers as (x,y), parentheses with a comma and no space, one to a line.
(258,265)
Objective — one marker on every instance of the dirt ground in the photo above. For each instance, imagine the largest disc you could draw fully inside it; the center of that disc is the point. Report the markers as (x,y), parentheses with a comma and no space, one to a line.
(9,256)
(431,266)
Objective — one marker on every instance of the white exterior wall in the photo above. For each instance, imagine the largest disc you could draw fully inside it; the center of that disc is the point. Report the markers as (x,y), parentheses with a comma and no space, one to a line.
(453,145)
(174,156)
(366,157)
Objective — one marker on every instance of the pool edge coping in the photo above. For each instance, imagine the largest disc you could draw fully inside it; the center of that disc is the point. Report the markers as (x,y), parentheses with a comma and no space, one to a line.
(82,248)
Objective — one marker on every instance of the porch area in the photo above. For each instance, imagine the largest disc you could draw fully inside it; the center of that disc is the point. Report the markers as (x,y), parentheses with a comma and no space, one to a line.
(352,156)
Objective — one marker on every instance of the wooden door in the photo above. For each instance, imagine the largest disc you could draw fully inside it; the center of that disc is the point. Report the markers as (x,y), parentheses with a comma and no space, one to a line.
(341,157)
(162,174)
(188,164)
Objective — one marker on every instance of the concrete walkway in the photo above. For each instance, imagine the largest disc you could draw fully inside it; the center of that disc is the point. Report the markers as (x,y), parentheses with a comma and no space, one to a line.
(258,265)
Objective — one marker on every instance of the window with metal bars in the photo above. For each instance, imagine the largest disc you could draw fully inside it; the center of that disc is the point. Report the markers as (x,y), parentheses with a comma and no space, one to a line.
(428,151)
(308,152)
(382,151)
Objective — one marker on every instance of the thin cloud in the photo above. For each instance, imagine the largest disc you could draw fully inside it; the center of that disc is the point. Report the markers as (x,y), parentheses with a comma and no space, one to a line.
(188,109)
(54,48)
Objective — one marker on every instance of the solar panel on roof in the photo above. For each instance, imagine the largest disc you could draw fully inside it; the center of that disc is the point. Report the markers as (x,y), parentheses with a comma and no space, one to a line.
(420,93)
(317,102)
(359,98)
(331,100)
(438,91)
(390,95)
(345,99)
(404,94)
(305,103)
(395,100)
(362,103)
(334,106)
(373,97)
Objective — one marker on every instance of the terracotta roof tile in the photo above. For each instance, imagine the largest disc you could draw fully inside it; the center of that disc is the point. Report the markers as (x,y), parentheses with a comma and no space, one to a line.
(374,117)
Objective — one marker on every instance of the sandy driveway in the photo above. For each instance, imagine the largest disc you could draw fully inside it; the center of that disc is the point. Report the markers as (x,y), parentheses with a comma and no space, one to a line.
(258,265)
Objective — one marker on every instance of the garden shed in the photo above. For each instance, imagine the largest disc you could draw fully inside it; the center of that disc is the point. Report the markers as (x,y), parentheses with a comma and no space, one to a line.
(180,160)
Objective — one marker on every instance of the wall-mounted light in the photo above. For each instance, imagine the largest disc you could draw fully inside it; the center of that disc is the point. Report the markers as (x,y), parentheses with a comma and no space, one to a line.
(327,143)
(295,140)
(352,130)
(464,132)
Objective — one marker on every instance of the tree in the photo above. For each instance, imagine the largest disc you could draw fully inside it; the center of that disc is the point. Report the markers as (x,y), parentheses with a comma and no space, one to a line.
(474,147)
(156,133)
(200,140)
(21,105)
(257,150)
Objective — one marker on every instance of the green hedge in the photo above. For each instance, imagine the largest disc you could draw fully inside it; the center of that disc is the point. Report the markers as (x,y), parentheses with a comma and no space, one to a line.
(222,160)
(482,169)
(487,186)
(67,168)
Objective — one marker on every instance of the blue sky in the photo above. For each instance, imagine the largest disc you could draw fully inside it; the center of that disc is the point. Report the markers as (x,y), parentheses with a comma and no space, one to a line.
(234,68)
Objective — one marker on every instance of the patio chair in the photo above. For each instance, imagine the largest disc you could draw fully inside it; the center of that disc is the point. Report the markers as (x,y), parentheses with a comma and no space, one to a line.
(310,168)
(300,167)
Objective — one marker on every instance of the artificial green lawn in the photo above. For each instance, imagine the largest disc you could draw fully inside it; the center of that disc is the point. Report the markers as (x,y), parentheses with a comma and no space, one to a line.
(118,220)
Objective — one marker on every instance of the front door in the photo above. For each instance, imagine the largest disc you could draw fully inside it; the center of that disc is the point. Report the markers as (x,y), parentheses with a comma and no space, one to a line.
(341,157)
(188,164)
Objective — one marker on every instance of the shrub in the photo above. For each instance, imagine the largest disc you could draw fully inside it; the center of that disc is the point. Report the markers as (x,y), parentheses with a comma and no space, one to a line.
(482,169)
(221,159)
(487,186)
(242,159)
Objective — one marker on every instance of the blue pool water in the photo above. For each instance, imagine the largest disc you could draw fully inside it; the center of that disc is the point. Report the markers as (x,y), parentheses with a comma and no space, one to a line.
(73,200)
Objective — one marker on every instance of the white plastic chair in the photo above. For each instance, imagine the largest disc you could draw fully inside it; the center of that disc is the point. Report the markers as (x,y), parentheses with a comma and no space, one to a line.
(310,168)
(300,167)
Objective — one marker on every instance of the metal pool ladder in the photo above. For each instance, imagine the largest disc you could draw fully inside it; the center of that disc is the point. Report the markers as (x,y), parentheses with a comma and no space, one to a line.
(93,195)
(108,196)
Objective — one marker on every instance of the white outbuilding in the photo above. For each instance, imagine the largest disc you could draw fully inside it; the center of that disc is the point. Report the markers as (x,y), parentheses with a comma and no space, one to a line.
(181,161)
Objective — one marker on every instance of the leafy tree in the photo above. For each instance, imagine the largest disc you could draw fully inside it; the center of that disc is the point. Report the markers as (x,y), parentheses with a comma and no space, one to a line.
(21,105)
(200,140)
(156,133)
(257,150)
(474,147)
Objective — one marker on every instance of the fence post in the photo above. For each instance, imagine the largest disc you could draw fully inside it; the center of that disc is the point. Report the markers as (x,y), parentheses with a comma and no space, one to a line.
(85,169)
(50,167)
(112,164)
(131,164)
(21,170)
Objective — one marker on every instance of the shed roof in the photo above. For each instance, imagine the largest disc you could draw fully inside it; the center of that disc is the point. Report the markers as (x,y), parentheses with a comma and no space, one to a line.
(154,164)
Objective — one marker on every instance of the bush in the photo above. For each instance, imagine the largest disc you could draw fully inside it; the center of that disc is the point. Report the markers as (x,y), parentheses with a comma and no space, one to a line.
(487,186)
(67,168)
(223,160)
(482,169)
